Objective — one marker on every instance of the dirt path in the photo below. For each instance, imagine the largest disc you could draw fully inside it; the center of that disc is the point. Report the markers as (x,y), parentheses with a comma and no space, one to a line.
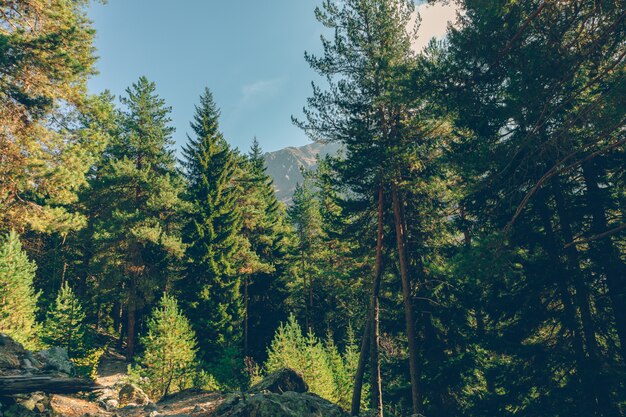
(112,368)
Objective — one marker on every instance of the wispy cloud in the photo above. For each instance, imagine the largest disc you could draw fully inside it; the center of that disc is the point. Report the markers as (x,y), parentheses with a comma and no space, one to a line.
(434,22)
(259,90)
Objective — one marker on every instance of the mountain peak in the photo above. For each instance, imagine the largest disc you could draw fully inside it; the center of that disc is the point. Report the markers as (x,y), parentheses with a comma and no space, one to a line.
(284,165)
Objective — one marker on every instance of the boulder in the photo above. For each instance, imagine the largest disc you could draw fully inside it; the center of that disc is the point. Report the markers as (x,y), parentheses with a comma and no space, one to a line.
(288,404)
(281,381)
(132,394)
(11,354)
(56,359)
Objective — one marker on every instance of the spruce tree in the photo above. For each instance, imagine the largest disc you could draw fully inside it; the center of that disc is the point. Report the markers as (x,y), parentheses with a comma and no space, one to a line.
(65,323)
(168,362)
(18,298)
(211,289)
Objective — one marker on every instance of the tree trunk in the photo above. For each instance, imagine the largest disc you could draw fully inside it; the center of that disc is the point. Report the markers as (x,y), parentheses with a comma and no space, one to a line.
(571,254)
(375,377)
(371,334)
(571,319)
(131,312)
(408,307)
(355,408)
(245,315)
(605,255)
(25,384)
(604,403)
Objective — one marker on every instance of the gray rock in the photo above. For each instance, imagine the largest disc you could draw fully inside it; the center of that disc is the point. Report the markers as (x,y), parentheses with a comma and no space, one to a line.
(150,406)
(56,359)
(132,394)
(289,404)
(283,380)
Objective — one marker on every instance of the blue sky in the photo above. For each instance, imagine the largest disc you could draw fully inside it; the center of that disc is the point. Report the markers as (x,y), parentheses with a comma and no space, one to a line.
(250,53)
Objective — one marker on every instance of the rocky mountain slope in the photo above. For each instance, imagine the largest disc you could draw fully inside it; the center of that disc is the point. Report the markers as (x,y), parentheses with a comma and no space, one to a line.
(284,165)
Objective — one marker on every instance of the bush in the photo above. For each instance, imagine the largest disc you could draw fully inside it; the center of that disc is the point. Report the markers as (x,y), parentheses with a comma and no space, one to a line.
(328,373)
(87,365)
(168,363)
(64,325)
(18,299)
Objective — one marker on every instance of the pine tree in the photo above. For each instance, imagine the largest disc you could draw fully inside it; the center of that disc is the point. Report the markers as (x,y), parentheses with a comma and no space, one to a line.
(367,63)
(65,323)
(18,298)
(543,130)
(137,187)
(211,290)
(168,361)
(304,215)
(47,56)
(265,228)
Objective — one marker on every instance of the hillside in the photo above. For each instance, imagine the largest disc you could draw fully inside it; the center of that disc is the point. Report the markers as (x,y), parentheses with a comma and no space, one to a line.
(284,165)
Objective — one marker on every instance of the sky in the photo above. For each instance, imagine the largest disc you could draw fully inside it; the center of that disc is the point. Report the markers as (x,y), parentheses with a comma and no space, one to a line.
(250,53)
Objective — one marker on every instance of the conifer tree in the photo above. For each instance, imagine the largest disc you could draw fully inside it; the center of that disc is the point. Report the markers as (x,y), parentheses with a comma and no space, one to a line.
(18,298)
(168,361)
(366,63)
(211,290)
(47,56)
(65,323)
(304,215)
(265,228)
(137,185)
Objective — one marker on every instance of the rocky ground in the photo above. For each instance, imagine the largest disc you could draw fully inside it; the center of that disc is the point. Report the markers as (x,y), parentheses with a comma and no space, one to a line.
(281,394)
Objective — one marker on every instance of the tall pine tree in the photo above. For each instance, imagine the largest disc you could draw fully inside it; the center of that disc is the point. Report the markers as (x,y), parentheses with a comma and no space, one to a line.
(137,188)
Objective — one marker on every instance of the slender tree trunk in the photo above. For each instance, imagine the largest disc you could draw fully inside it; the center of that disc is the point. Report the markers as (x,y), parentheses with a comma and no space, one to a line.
(371,338)
(408,307)
(245,315)
(131,312)
(571,254)
(375,376)
(604,403)
(605,255)
(355,408)
(571,319)
(306,289)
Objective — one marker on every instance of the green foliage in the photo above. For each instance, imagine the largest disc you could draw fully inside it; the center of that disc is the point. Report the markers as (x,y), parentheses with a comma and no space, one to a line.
(137,246)
(168,362)
(18,298)
(211,290)
(65,323)
(47,55)
(328,373)
(266,261)
(87,364)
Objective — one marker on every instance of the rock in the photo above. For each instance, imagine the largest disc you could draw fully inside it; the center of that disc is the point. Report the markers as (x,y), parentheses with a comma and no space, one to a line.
(56,359)
(130,393)
(283,380)
(150,406)
(154,414)
(288,404)
(198,409)
(28,404)
(11,354)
